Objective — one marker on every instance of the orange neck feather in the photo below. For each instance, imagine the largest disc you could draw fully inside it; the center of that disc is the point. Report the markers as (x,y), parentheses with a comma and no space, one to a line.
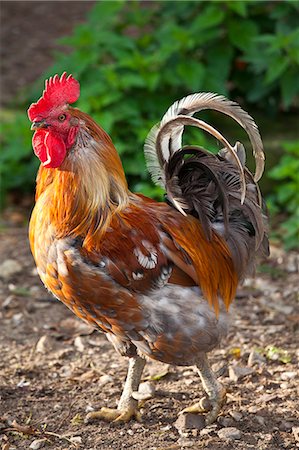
(89,187)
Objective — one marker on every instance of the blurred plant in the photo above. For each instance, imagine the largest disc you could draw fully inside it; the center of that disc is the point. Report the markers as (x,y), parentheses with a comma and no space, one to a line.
(18,165)
(133,59)
(284,199)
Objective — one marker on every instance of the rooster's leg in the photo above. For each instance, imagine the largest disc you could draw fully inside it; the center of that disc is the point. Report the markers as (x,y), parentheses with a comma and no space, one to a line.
(127,406)
(216,394)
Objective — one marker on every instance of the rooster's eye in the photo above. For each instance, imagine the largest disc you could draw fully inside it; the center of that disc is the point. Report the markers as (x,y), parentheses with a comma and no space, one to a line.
(62,117)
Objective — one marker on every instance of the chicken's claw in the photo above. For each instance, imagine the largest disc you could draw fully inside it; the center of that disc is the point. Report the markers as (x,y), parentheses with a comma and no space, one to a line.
(209,405)
(204,405)
(114,415)
(127,406)
(212,403)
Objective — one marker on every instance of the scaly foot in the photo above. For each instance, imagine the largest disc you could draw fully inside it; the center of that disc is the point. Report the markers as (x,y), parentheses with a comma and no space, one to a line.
(115,415)
(209,405)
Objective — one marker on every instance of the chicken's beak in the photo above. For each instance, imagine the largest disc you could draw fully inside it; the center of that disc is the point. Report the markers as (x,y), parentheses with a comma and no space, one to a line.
(39,125)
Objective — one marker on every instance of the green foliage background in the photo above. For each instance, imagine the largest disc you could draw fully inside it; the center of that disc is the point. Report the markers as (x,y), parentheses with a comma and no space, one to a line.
(134,59)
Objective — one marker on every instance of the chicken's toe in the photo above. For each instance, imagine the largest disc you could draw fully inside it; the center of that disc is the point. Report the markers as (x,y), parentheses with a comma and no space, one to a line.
(204,405)
(210,406)
(114,415)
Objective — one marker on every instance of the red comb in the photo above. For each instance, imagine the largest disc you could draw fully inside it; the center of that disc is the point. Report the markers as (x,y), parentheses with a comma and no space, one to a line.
(58,92)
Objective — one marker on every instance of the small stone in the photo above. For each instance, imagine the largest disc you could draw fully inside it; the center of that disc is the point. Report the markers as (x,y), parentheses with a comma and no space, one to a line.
(190,421)
(17,318)
(255,358)
(104,379)
(44,344)
(260,420)
(285,426)
(76,440)
(23,383)
(230,433)
(288,375)
(78,343)
(37,444)
(236,415)
(225,421)
(237,372)
(145,392)
(292,265)
(89,408)
(130,432)
(9,268)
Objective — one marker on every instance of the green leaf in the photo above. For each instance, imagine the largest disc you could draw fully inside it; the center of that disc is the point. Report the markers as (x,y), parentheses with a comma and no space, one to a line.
(276,68)
(210,16)
(238,6)
(289,83)
(242,33)
(194,72)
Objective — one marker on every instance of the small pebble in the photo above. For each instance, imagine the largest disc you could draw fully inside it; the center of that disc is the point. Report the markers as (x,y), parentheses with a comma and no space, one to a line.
(37,444)
(44,344)
(9,268)
(288,375)
(104,379)
(236,372)
(17,318)
(230,433)
(236,415)
(225,421)
(78,343)
(89,408)
(190,421)
(146,391)
(285,426)
(23,383)
(76,440)
(260,420)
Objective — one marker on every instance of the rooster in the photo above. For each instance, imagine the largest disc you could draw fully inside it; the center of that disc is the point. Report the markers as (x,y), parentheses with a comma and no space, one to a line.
(157,278)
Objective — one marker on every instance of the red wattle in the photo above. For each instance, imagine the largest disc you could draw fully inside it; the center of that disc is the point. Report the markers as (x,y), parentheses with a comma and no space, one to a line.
(49,148)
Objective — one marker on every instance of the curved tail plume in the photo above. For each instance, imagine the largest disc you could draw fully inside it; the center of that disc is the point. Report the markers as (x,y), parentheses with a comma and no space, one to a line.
(165,138)
(218,190)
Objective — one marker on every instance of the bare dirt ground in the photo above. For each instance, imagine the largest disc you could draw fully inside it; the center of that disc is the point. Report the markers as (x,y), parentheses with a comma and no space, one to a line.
(54,369)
